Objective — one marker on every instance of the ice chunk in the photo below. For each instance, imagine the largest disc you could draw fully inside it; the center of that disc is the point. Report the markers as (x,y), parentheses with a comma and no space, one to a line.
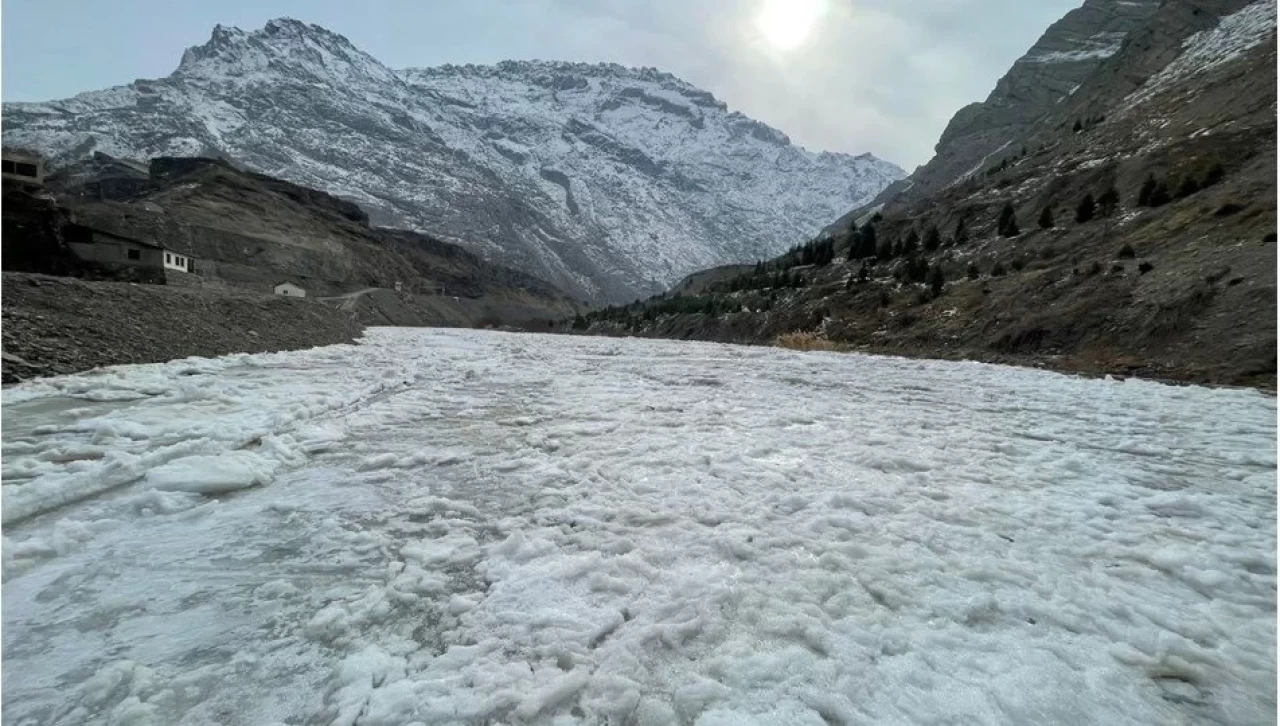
(212,474)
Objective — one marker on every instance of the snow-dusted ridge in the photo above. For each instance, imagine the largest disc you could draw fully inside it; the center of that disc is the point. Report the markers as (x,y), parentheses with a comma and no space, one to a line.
(610,182)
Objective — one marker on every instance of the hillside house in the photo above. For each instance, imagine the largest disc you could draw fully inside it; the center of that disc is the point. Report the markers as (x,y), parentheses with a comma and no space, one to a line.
(175,261)
(95,245)
(22,167)
(149,261)
(288,289)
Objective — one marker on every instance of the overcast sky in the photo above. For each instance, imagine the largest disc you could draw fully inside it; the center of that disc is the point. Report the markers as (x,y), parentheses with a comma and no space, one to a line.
(867,75)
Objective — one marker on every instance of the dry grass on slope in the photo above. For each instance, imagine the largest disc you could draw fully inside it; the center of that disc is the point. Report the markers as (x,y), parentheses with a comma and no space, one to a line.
(805,340)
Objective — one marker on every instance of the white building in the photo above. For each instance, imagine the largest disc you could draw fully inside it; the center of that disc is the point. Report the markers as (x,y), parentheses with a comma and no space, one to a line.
(288,289)
(175,261)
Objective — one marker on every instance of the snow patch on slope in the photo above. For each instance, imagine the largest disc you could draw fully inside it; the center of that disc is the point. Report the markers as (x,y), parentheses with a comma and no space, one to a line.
(1102,45)
(1208,49)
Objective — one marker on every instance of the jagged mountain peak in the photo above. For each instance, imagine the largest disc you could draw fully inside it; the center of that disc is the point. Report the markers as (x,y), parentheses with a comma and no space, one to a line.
(282,45)
(611,182)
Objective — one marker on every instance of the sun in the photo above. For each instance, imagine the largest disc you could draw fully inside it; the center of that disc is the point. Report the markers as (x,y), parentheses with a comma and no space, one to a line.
(786,24)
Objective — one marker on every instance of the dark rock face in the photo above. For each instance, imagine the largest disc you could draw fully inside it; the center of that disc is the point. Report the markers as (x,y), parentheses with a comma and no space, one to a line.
(654,178)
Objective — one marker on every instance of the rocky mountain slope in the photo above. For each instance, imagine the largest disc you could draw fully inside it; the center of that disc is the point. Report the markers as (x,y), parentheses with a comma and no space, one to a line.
(249,230)
(606,181)
(982,135)
(1110,208)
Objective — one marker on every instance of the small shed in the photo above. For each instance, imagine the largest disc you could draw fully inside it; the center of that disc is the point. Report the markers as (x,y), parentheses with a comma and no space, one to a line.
(288,289)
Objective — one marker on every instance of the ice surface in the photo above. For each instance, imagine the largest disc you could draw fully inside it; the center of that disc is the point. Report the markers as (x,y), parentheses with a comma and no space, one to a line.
(212,474)
(469,527)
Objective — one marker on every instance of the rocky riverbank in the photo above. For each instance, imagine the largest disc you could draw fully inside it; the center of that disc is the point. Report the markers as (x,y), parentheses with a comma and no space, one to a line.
(54,325)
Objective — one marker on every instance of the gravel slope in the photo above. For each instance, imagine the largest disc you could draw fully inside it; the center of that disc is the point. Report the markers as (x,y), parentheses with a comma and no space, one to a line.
(55,325)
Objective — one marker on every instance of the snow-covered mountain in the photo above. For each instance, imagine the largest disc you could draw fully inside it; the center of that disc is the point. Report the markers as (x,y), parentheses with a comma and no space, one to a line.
(610,182)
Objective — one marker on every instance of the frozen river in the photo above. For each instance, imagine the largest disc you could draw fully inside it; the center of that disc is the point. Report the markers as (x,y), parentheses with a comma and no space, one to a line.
(472,527)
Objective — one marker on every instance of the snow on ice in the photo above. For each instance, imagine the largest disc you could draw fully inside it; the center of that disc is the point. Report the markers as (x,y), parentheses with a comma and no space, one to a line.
(440,527)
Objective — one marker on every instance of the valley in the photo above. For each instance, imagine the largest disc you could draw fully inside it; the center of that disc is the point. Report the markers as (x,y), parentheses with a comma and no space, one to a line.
(559,393)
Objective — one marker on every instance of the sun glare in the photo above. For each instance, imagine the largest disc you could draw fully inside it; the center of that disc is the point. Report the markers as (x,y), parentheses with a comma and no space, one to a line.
(786,24)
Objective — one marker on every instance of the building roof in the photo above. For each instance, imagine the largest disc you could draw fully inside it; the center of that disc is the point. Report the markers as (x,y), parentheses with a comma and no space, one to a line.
(132,240)
(16,153)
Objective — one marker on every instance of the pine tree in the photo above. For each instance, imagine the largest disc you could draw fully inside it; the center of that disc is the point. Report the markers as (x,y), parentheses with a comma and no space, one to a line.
(864,273)
(1046,218)
(910,244)
(998,270)
(823,253)
(1084,210)
(962,234)
(936,280)
(973,272)
(1108,200)
(1160,195)
(885,251)
(855,245)
(932,239)
(868,236)
(1148,188)
(1214,175)
(1007,226)
(1187,187)
(1077,127)
(917,269)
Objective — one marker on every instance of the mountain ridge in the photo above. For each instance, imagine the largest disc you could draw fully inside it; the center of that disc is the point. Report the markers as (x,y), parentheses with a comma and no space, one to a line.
(606,181)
